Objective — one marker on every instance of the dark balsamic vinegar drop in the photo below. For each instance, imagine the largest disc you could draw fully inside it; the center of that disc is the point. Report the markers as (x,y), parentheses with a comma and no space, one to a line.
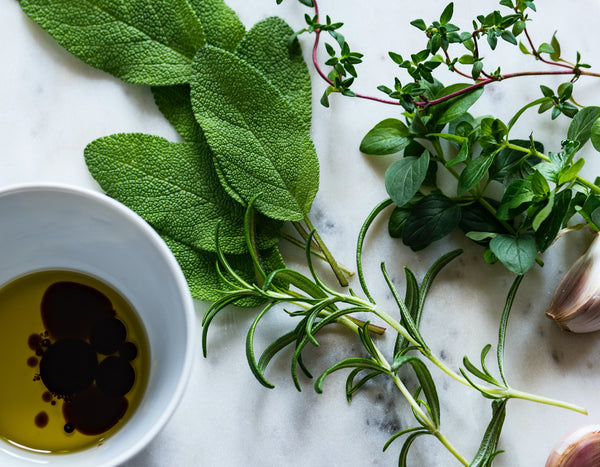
(34,341)
(107,335)
(69,309)
(68,367)
(41,419)
(128,350)
(92,412)
(115,376)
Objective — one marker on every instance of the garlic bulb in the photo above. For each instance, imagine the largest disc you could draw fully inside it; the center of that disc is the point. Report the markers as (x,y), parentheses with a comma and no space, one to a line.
(575,304)
(579,448)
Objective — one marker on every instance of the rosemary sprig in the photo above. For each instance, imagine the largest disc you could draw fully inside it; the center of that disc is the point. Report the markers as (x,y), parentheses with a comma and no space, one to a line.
(313,305)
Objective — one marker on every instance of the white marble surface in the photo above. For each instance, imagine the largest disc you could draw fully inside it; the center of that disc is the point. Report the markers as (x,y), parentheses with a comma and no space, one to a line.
(52,105)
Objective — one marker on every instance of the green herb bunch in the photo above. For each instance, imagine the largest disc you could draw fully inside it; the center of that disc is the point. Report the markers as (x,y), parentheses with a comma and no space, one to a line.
(540,191)
(240,99)
(314,305)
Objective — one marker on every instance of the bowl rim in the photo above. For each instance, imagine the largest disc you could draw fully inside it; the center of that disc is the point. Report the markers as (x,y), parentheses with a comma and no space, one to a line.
(181,283)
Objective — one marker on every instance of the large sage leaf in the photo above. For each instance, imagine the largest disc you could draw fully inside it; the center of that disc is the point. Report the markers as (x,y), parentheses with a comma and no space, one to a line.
(261,145)
(174,187)
(140,41)
(174,103)
(267,47)
(222,27)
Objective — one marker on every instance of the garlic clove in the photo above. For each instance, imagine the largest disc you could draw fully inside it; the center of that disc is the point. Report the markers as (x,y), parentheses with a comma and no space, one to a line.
(579,448)
(575,304)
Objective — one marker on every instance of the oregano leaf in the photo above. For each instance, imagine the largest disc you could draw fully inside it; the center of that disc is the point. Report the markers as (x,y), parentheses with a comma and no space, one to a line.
(595,134)
(548,230)
(387,137)
(432,218)
(580,128)
(457,106)
(516,253)
(405,176)
(474,172)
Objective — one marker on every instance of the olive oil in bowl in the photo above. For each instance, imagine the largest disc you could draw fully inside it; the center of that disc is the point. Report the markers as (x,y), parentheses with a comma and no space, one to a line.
(74,361)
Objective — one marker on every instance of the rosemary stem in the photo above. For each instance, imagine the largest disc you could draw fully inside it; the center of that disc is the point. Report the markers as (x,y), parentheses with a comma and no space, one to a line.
(515,394)
(339,274)
(500,392)
(427,421)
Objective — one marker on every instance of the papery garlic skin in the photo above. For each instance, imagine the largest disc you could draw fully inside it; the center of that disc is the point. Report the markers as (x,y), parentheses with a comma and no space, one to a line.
(575,304)
(579,448)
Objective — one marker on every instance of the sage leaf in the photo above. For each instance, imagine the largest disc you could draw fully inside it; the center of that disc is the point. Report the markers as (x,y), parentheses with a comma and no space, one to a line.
(580,128)
(405,176)
(221,25)
(142,41)
(174,103)
(267,47)
(387,137)
(261,145)
(432,218)
(516,253)
(174,187)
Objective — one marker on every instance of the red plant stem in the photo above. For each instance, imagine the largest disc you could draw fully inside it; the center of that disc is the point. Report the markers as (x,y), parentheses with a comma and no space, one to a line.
(570,70)
(325,77)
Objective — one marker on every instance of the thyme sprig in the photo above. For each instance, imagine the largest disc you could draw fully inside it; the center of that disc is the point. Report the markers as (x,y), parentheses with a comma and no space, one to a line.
(314,305)
(441,35)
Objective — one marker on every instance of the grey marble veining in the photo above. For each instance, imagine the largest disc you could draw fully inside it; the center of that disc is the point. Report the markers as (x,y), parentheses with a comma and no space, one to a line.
(53,105)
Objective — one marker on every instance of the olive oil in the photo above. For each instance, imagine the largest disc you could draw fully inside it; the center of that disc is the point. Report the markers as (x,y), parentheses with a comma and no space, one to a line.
(74,361)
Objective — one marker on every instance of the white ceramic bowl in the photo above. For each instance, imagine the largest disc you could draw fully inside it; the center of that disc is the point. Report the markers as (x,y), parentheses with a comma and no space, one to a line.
(62,227)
